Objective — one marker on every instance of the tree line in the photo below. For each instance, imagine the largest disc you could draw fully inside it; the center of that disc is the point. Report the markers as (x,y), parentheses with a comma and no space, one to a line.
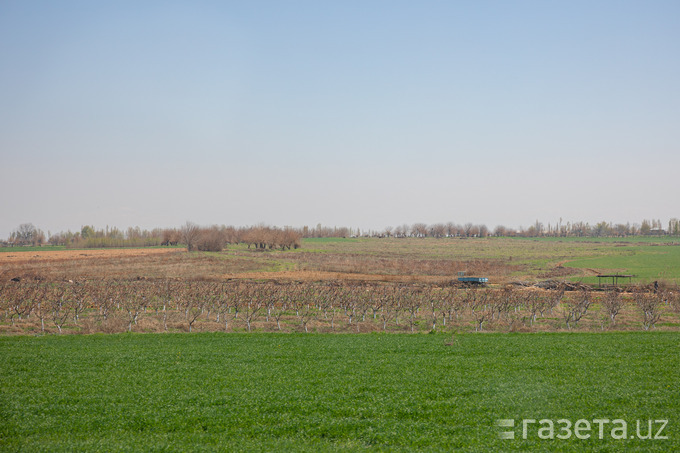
(538,229)
(190,235)
(262,237)
(172,305)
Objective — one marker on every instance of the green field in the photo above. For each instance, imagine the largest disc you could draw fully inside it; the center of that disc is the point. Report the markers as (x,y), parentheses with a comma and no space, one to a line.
(45,248)
(646,262)
(278,392)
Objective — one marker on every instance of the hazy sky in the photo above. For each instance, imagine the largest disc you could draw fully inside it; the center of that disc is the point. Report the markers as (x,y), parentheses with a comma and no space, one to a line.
(348,113)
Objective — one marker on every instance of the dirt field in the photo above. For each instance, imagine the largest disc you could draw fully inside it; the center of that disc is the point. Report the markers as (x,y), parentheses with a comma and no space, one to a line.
(20,257)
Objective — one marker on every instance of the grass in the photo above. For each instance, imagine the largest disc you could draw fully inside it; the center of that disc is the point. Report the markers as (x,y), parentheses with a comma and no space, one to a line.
(312,241)
(295,392)
(46,248)
(651,258)
(646,262)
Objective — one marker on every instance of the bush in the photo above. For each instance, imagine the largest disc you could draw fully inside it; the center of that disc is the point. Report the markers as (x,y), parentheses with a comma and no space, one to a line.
(211,240)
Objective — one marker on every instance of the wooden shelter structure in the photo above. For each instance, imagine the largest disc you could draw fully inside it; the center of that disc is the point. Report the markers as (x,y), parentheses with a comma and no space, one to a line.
(615,278)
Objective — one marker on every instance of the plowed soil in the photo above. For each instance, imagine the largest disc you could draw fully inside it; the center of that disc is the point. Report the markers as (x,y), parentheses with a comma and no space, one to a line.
(20,257)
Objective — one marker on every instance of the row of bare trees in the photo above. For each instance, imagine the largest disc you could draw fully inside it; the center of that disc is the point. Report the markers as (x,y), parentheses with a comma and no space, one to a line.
(537,229)
(181,305)
(272,237)
(215,238)
(193,236)
(26,234)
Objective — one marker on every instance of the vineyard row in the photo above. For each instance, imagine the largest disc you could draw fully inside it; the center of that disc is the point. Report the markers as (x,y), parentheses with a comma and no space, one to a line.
(86,307)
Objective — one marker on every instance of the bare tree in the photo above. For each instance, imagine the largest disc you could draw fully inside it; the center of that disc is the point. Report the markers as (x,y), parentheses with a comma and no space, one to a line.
(553,299)
(412,304)
(27,234)
(673,298)
(194,302)
(190,234)
(59,306)
(500,230)
(376,300)
(80,294)
(504,301)
(650,306)
(576,307)
(434,302)
(170,237)
(303,309)
(132,303)
(158,298)
(534,302)
(41,308)
(251,306)
(388,310)
(438,230)
(419,230)
(363,295)
(612,303)
(453,303)
(21,301)
(222,303)
(282,299)
(478,302)
(210,240)
(329,298)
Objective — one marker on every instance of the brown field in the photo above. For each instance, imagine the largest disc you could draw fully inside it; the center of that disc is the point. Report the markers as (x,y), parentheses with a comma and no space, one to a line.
(178,264)
(20,257)
(131,264)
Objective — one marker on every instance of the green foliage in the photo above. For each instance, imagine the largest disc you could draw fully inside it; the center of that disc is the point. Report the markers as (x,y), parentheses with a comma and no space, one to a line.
(87,231)
(273,392)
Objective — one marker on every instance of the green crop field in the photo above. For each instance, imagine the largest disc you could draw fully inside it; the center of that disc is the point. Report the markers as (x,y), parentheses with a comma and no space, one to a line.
(646,262)
(318,392)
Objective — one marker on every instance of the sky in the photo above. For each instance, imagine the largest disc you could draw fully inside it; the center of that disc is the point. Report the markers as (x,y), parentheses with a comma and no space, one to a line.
(363,114)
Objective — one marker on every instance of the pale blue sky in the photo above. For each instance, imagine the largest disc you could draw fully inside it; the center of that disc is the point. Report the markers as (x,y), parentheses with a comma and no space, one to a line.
(348,113)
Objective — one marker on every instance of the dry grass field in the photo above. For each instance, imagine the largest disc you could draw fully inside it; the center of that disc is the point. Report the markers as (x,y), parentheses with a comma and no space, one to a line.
(502,260)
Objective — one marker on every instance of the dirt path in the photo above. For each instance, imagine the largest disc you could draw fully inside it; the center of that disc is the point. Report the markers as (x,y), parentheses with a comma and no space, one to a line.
(586,271)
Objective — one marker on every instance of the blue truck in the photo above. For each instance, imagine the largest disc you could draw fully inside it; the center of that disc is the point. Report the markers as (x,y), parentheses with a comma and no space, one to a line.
(472,280)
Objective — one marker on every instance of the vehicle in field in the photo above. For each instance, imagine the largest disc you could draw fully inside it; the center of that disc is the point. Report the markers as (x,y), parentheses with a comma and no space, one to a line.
(472,280)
